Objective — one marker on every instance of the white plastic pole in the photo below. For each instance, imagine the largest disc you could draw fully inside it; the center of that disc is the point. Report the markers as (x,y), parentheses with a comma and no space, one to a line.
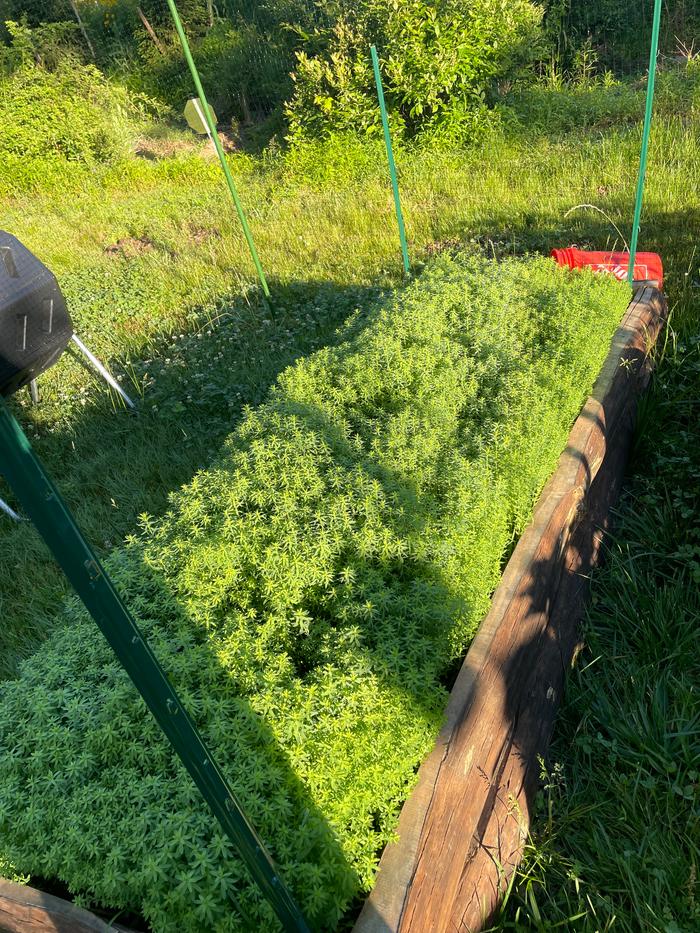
(201,116)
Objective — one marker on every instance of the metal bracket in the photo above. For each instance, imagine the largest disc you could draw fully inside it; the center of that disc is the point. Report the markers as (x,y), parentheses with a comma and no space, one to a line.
(102,370)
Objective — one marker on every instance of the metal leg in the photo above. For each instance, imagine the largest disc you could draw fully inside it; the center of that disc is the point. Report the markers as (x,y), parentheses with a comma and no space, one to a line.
(34,391)
(102,370)
(4,507)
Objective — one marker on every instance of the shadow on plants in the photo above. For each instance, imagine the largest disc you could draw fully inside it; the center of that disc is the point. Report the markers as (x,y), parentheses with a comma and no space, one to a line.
(288,581)
(315,576)
(112,467)
(151,843)
(126,804)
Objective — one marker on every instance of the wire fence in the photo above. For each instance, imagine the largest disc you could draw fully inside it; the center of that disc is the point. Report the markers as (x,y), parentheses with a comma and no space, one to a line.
(247,50)
(581,41)
(615,35)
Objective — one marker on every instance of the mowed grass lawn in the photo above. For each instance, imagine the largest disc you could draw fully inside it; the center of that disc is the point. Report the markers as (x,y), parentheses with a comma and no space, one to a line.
(159,282)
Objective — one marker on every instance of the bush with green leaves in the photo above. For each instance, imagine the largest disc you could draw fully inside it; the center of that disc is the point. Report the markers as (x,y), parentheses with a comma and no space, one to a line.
(56,121)
(439,62)
(73,113)
(47,45)
(244,53)
(308,596)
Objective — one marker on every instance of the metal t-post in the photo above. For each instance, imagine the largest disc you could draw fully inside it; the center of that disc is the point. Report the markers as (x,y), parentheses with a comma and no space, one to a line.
(217,145)
(43,504)
(4,507)
(390,159)
(653,55)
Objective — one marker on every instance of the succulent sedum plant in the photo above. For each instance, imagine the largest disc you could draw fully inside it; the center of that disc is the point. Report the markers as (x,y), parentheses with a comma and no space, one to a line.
(309,595)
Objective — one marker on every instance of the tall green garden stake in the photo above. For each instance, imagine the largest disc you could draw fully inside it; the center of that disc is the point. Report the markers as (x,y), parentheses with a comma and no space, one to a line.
(390,157)
(217,144)
(43,504)
(645,138)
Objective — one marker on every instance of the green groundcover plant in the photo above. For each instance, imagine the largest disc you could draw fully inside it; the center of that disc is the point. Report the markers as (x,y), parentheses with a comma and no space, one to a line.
(57,122)
(308,595)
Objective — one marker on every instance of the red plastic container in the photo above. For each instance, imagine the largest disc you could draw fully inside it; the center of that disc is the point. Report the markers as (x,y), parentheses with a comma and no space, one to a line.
(647,266)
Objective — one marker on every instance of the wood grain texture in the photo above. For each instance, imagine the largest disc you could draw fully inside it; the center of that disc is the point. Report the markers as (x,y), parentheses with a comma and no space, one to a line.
(462,830)
(23,909)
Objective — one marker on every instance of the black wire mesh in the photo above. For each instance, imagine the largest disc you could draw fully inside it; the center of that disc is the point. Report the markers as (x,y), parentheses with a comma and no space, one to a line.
(615,35)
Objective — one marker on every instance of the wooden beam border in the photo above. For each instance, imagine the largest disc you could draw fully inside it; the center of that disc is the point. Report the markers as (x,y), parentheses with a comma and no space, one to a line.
(462,830)
(24,909)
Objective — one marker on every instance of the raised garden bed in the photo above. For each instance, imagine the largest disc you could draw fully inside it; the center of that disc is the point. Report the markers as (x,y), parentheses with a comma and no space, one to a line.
(461,832)
(501,658)
(23,909)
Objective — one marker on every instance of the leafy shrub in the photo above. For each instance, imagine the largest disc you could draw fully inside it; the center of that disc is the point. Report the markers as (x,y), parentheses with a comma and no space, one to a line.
(439,63)
(47,45)
(53,120)
(73,112)
(243,73)
(307,595)
(678,90)
(245,55)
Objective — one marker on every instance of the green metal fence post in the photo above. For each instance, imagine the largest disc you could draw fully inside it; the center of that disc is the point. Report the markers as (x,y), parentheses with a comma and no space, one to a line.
(217,145)
(43,504)
(645,138)
(390,157)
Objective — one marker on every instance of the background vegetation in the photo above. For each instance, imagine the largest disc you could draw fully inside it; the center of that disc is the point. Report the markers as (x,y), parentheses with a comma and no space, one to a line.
(99,179)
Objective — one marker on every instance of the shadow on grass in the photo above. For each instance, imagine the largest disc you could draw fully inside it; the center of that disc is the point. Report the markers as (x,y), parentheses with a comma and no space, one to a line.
(112,466)
(506,234)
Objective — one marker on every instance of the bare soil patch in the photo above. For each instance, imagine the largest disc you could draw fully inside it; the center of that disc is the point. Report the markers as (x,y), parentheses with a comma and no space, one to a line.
(129,247)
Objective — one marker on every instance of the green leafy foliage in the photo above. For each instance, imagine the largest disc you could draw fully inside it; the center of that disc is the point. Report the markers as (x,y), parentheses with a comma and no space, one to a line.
(616,34)
(244,52)
(245,75)
(72,115)
(62,113)
(308,595)
(439,62)
(601,102)
(48,44)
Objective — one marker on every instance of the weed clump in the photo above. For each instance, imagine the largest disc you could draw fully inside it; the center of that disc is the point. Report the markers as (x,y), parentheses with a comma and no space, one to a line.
(307,595)
(62,121)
